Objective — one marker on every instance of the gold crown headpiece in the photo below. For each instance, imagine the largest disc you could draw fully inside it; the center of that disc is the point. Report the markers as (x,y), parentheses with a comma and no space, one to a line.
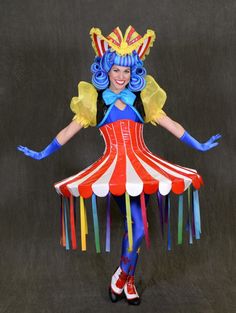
(122,45)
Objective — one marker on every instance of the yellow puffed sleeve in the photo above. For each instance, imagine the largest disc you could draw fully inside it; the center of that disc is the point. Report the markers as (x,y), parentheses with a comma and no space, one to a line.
(85,105)
(153,98)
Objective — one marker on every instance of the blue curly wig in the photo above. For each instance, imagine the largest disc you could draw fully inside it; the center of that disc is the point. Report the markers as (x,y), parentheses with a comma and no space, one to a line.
(102,66)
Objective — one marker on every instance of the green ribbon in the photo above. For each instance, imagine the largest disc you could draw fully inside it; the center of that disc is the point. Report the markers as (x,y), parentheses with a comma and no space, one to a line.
(95,224)
(180,219)
(189,217)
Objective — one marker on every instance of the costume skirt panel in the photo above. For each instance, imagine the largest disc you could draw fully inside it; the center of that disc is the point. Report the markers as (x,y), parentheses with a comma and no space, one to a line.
(128,167)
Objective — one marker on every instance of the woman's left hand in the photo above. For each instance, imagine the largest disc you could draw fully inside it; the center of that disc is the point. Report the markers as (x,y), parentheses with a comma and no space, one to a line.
(192,142)
(30,153)
(211,143)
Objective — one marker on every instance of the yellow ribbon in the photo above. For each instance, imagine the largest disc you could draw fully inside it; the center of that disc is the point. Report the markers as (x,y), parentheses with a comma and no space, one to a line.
(129,222)
(83,224)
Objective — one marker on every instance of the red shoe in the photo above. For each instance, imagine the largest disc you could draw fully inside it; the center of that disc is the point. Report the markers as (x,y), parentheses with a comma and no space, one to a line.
(118,281)
(131,292)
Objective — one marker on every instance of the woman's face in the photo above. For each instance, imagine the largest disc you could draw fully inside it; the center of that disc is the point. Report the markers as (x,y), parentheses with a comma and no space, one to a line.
(119,77)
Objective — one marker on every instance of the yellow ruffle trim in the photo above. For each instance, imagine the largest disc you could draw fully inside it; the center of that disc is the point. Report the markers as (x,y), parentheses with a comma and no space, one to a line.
(153,98)
(85,105)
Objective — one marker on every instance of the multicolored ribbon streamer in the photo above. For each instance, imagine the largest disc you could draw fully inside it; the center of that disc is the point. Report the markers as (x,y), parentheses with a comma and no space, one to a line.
(196,211)
(168,221)
(159,200)
(180,219)
(192,214)
(144,216)
(95,223)
(83,222)
(189,217)
(166,209)
(72,224)
(129,221)
(68,220)
(108,228)
(74,198)
(66,225)
(63,236)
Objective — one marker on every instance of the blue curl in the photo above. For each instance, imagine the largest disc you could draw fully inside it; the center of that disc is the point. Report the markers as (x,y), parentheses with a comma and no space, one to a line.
(141,71)
(100,80)
(137,83)
(95,67)
(107,61)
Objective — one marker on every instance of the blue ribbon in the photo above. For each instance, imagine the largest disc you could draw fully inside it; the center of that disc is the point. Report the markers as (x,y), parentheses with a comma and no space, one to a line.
(189,225)
(108,228)
(159,200)
(196,211)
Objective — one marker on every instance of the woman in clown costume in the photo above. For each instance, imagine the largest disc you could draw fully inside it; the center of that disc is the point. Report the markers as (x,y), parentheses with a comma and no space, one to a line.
(119,101)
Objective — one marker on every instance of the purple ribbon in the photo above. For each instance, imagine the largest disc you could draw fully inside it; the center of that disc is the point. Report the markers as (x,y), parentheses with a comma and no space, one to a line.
(108,228)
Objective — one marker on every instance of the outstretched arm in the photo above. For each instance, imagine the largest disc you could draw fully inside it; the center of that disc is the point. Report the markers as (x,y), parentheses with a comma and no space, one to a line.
(62,137)
(68,132)
(177,130)
(173,127)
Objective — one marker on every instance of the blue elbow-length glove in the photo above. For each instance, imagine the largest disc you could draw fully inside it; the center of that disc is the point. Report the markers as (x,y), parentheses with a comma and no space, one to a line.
(209,144)
(51,148)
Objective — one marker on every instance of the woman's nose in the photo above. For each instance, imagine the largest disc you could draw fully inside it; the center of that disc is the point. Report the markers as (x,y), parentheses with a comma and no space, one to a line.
(121,76)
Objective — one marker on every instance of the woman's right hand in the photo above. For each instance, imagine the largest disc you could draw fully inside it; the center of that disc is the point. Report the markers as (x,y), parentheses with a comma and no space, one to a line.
(52,147)
(30,153)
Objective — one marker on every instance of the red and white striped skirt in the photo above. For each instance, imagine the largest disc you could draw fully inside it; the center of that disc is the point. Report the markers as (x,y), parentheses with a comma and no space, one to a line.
(128,167)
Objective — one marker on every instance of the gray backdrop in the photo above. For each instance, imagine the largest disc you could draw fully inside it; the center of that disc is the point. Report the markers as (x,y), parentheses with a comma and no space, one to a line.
(45,51)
